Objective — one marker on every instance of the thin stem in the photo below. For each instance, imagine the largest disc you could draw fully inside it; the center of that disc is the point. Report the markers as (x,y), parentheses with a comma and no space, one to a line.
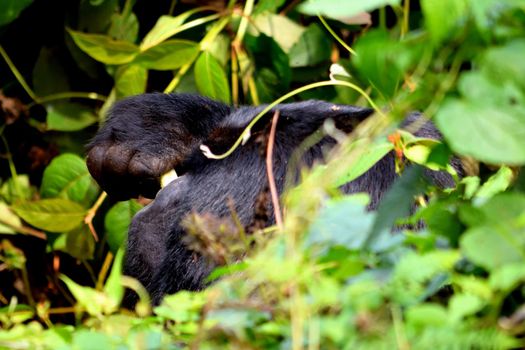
(17,74)
(67,95)
(12,168)
(269,171)
(25,278)
(88,220)
(336,37)
(246,133)
(406,17)
(176,79)
(185,26)
(104,271)
(127,8)
(248,8)
(172,7)
(90,271)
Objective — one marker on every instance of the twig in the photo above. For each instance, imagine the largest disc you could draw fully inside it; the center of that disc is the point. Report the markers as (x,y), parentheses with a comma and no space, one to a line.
(269,170)
(88,220)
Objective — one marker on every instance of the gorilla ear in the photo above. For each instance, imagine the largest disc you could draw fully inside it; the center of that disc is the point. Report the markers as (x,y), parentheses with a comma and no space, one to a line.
(304,118)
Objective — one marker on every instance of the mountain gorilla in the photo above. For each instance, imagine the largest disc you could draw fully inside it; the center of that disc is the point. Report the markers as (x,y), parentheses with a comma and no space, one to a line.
(147,135)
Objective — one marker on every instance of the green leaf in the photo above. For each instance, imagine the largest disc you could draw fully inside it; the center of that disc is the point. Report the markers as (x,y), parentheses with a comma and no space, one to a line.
(462,305)
(124,27)
(268,6)
(280,28)
(130,80)
(489,133)
(165,27)
(49,76)
(9,222)
(442,17)
(397,202)
(513,70)
(211,78)
(79,243)
(490,249)
(53,215)
(342,9)
(16,189)
(497,183)
(104,49)
(68,177)
(117,222)
(169,55)
(428,314)
(313,47)
(10,9)
(69,116)
(342,222)
(94,302)
(366,160)
(507,277)
(272,73)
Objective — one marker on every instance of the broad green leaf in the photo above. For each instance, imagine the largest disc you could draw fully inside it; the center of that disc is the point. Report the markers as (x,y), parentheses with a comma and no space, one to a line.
(366,160)
(49,76)
(165,27)
(69,116)
(68,177)
(343,222)
(342,9)
(117,222)
(442,17)
(462,305)
(507,277)
(124,28)
(513,70)
(490,249)
(10,9)
(489,133)
(130,80)
(169,55)
(9,222)
(273,73)
(379,62)
(53,215)
(313,47)
(92,301)
(104,49)
(79,243)
(497,183)
(16,189)
(427,314)
(280,28)
(397,202)
(211,78)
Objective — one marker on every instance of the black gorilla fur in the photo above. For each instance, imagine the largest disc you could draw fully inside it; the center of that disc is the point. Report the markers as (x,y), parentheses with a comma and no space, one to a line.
(147,135)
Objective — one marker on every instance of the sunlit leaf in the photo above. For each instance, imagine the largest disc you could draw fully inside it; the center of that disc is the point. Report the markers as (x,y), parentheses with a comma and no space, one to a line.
(67,177)
(53,215)
(211,79)
(171,54)
(104,49)
(342,10)
(117,222)
(69,116)
(130,80)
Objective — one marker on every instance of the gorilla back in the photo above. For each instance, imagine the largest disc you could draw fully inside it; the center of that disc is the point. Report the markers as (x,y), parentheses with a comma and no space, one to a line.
(147,135)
